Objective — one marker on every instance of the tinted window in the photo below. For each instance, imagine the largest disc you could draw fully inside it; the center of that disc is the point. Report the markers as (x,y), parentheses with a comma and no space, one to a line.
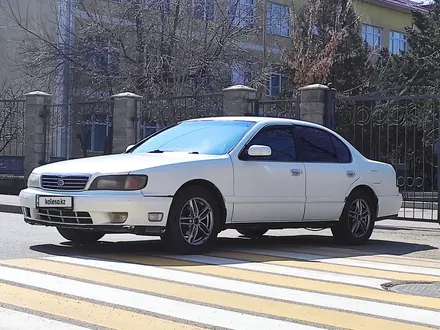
(214,137)
(316,145)
(280,140)
(342,152)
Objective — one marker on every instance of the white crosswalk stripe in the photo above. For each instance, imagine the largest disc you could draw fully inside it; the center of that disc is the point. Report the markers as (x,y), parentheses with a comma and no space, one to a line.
(237,288)
(11,319)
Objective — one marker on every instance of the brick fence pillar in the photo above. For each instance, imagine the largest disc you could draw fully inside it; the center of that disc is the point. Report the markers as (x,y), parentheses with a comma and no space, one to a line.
(124,120)
(239,100)
(313,99)
(35,149)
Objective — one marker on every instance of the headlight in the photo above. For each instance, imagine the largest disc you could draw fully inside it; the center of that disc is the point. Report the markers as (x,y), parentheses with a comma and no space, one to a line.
(119,182)
(33,181)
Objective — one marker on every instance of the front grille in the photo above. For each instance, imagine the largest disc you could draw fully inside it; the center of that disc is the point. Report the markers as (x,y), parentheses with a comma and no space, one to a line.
(63,216)
(64,183)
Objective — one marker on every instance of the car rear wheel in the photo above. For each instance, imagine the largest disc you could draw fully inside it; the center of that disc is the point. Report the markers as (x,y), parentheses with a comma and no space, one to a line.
(252,233)
(79,236)
(193,222)
(357,220)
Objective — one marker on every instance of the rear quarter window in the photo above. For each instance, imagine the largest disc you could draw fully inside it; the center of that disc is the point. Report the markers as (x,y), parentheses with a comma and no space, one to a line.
(342,152)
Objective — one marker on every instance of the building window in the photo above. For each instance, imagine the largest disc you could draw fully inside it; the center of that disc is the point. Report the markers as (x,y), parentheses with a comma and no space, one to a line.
(316,30)
(278,21)
(148,128)
(242,13)
(203,9)
(372,35)
(398,42)
(95,132)
(274,84)
(103,57)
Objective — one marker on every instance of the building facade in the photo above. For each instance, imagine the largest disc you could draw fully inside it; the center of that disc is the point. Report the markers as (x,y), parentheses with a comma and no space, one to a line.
(383,25)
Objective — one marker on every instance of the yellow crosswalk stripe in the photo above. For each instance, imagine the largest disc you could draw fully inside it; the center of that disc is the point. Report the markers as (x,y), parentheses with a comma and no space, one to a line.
(321,265)
(400,261)
(84,311)
(362,255)
(284,281)
(229,300)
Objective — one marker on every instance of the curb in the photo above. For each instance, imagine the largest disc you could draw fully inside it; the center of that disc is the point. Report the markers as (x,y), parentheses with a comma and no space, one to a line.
(7,208)
(420,205)
(414,219)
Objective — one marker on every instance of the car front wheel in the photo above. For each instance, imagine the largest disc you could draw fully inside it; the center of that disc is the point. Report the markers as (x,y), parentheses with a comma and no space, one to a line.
(78,236)
(193,221)
(356,223)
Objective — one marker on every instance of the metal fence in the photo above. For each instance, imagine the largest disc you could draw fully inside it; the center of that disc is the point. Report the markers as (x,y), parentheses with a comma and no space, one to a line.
(12,123)
(78,130)
(400,130)
(289,108)
(157,113)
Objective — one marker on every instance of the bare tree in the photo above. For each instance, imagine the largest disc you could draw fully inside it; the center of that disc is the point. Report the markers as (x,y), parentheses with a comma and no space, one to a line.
(151,47)
(12,119)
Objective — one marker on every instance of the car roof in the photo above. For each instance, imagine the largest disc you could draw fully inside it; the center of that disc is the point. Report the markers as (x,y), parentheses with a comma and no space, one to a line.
(241,118)
(257,120)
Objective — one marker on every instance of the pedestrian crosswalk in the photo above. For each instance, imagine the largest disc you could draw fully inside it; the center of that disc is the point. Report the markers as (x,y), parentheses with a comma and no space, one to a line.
(231,288)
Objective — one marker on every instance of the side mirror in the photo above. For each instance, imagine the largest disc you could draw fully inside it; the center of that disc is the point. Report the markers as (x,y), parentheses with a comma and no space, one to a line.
(259,151)
(129,147)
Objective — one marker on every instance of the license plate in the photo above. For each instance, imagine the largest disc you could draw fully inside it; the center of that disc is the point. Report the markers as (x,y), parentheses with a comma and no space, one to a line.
(59,202)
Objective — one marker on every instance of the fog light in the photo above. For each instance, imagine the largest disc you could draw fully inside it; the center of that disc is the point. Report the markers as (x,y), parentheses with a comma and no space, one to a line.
(155,216)
(118,217)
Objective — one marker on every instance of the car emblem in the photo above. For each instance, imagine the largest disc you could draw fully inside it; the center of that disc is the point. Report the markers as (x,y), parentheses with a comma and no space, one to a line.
(60,183)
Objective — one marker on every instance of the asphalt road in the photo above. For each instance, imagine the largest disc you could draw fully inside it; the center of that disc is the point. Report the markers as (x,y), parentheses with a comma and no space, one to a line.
(404,238)
(289,279)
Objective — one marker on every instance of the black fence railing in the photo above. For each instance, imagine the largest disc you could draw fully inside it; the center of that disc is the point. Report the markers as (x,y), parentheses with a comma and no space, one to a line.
(12,137)
(400,130)
(157,113)
(278,108)
(78,130)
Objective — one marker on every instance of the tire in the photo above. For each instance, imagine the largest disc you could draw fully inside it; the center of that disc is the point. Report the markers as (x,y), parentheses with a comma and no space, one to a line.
(349,231)
(186,234)
(79,236)
(252,233)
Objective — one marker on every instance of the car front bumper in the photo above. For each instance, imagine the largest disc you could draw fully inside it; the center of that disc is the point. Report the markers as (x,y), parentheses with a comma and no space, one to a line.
(96,211)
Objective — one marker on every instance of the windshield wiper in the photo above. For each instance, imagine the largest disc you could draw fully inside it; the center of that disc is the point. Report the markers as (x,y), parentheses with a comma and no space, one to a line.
(159,151)
(193,152)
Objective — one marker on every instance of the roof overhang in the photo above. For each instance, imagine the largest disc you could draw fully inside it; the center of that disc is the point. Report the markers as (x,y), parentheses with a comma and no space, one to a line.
(402,6)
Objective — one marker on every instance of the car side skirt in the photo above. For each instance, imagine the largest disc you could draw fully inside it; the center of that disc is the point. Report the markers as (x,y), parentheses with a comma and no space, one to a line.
(282,225)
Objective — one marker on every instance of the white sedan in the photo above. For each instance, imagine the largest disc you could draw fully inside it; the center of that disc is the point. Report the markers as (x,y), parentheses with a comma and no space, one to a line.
(199,177)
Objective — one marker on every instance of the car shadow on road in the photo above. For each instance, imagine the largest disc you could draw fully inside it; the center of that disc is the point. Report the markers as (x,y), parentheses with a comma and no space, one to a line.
(304,248)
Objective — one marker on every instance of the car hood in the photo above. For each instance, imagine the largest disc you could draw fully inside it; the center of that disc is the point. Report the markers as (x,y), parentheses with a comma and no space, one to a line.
(120,163)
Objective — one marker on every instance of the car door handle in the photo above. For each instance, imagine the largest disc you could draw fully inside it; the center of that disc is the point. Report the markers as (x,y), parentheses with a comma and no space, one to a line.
(296,171)
(350,173)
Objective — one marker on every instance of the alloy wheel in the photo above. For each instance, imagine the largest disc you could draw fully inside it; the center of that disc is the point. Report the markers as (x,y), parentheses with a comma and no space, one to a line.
(359,217)
(196,221)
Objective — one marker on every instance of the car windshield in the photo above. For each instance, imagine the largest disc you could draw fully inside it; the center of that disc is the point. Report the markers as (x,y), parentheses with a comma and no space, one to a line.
(214,137)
